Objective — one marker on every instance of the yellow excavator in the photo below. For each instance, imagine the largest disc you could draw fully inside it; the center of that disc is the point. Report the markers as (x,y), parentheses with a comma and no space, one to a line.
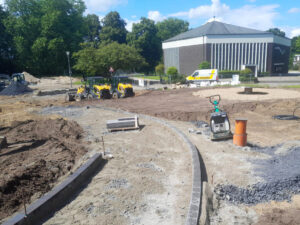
(120,87)
(93,88)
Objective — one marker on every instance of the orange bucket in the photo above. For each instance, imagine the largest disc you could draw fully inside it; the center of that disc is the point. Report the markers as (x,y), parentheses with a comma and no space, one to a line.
(240,126)
(240,135)
(240,139)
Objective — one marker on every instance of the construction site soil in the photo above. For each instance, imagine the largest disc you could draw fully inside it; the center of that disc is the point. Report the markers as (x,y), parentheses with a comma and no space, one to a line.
(38,153)
(268,163)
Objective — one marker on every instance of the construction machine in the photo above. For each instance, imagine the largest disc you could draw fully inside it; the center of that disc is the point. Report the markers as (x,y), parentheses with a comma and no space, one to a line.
(93,88)
(219,121)
(120,87)
(4,81)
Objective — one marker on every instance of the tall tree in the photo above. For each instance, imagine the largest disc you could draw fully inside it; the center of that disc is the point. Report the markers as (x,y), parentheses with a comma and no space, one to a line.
(94,61)
(144,38)
(6,47)
(277,32)
(43,31)
(93,27)
(113,29)
(171,27)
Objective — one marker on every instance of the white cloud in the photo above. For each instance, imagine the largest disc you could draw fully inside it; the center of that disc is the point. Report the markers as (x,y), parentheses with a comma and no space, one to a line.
(295,32)
(257,17)
(1,2)
(294,10)
(156,16)
(204,11)
(129,24)
(103,5)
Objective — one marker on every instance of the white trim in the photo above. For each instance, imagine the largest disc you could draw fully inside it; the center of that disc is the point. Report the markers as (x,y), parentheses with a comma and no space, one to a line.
(243,38)
(258,57)
(184,43)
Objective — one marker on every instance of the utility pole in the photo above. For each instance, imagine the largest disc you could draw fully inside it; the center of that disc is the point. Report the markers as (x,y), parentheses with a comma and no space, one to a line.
(70,72)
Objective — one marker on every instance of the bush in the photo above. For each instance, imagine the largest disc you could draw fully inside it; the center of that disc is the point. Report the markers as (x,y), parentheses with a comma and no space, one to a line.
(204,65)
(172,71)
(228,73)
(246,71)
(160,69)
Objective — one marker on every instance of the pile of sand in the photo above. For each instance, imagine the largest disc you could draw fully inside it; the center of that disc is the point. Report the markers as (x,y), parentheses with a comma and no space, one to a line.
(30,78)
(258,94)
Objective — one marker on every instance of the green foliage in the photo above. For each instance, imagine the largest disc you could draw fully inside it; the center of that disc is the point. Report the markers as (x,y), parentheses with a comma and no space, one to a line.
(6,53)
(97,61)
(172,71)
(246,71)
(93,27)
(113,29)
(144,38)
(171,27)
(277,32)
(43,31)
(204,65)
(160,69)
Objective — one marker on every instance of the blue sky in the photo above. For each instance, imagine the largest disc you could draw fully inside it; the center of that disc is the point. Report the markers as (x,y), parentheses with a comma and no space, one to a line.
(258,14)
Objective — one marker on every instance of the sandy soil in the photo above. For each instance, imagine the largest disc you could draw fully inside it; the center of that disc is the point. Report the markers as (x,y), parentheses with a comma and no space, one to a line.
(283,213)
(38,153)
(147,182)
(139,194)
(259,94)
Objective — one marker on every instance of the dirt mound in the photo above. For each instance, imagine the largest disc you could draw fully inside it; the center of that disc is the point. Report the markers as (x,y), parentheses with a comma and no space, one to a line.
(30,78)
(38,153)
(280,217)
(15,88)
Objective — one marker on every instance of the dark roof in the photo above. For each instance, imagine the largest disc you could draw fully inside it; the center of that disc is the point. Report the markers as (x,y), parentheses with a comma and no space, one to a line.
(215,28)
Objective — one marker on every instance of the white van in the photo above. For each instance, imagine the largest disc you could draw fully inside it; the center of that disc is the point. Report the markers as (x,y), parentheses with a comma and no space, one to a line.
(203,75)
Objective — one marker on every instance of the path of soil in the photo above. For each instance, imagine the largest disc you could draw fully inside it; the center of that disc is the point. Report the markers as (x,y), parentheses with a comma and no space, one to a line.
(38,153)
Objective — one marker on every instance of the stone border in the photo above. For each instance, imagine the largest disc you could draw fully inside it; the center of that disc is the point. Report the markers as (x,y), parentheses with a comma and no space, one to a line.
(44,207)
(196,195)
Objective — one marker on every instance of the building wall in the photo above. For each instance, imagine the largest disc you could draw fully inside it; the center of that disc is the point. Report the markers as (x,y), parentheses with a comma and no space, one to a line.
(269,57)
(190,57)
(231,56)
(171,58)
(280,58)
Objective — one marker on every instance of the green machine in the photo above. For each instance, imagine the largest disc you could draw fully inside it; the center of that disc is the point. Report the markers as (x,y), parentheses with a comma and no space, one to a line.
(219,122)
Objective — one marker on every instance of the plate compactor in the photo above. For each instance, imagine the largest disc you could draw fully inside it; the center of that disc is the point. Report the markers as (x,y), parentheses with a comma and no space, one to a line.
(219,122)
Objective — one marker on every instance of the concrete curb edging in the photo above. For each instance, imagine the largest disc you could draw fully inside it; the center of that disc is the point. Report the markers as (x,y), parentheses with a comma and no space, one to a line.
(56,198)
(196,195)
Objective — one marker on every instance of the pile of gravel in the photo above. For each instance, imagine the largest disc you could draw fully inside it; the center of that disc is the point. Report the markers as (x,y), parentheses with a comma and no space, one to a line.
(280,172)
(15,88)
(279,190)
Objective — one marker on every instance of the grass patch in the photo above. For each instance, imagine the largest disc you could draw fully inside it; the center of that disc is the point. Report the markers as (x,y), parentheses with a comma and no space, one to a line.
(78,83)
(255,85)
(291,86)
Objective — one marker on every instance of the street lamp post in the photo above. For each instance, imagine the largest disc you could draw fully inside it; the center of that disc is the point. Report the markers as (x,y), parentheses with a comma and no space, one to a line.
(70,72)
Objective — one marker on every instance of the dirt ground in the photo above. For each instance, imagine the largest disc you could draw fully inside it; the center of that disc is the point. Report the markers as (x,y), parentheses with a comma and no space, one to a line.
(146,182)
(155,178)
(38,153)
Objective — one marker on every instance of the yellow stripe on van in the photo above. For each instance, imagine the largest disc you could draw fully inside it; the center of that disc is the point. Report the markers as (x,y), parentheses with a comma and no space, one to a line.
(202,78)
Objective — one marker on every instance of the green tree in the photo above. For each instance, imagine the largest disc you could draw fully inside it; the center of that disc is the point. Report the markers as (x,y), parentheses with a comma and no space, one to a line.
(144,38)
(172,71)
(43,31)
(6,48)
(92,61)
(204,65)
(171,27)
(113,29)
(160,69)
(277,32)
(93,27)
